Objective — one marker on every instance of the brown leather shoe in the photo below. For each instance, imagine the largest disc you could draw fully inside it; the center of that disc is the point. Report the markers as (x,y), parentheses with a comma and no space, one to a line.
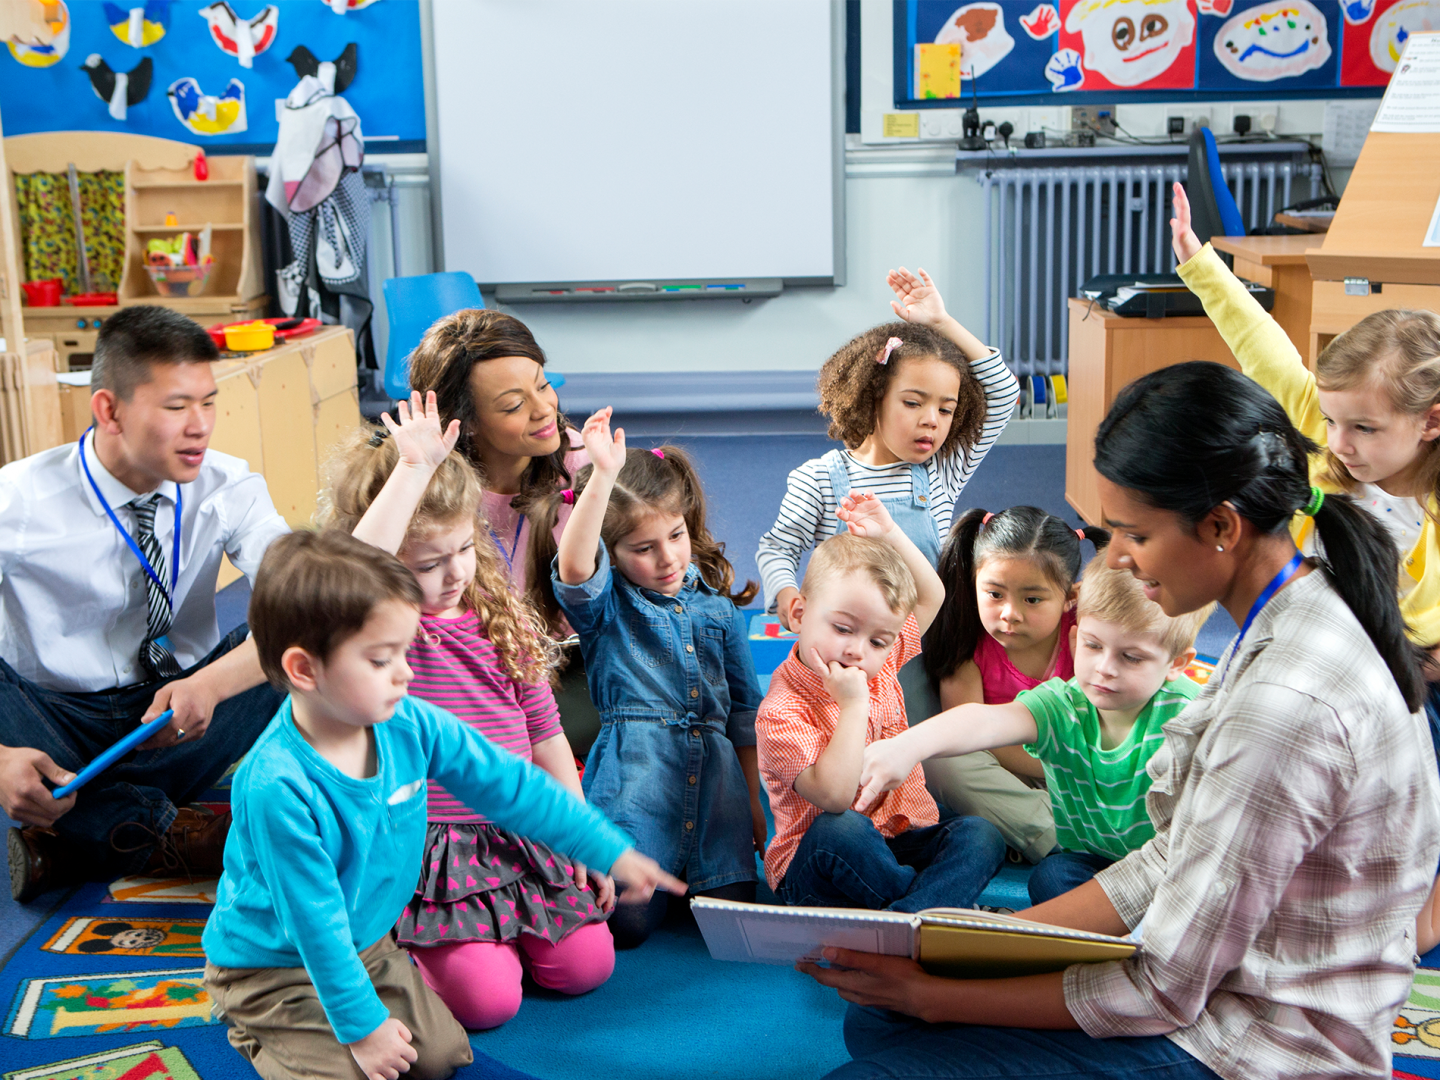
(37,863)
(194,844)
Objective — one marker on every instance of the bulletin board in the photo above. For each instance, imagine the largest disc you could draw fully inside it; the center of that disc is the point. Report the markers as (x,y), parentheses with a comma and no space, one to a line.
(184,79)
(1117,51)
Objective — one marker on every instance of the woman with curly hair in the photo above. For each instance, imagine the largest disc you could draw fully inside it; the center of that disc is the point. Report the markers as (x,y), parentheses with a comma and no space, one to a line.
(918,404)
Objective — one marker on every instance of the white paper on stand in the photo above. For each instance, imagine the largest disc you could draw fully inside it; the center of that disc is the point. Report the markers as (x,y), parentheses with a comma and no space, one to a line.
(1411,104)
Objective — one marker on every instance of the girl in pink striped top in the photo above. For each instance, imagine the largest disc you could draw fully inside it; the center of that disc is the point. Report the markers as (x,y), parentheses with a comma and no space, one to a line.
(489,903)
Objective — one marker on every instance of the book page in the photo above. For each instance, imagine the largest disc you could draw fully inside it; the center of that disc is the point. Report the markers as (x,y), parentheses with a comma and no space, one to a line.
(766,934)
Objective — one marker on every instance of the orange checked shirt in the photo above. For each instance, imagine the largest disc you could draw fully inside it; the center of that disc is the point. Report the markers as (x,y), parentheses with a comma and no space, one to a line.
(794,726)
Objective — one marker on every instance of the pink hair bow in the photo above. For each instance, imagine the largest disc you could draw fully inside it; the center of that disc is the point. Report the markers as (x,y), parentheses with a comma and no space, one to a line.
(890,346)
(659,453)
(568,496)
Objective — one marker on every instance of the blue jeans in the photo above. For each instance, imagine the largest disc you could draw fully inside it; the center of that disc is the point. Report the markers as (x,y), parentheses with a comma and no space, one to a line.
(1432,713)
(144,788)
(1061,871)
(844,861)
(886,1044)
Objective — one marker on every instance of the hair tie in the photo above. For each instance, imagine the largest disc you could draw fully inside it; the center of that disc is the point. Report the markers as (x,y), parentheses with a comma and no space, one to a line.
(568,496)
(378,436)
(986,520)
(1080,533)
(883,357)
(659,453)
(1317,500)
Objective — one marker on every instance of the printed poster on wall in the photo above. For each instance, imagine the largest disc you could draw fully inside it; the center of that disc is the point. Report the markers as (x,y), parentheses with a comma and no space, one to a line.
(1375,35)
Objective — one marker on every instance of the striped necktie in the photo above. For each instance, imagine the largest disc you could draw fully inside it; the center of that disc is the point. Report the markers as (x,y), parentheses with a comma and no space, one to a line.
(156,660)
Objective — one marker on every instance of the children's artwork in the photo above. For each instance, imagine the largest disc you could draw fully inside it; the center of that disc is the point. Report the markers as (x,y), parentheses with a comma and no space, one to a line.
(151,1060)
(140,24)
(1216,7)
(1066,71)
(1357,11)
(109,1003)
(43,56)
(1130,44)
(243,39)
(1417,1028)
(937,71)
(145,890)
(119,89)
(1291,43)
(1042,22)
(1372,44)
(336,75)
(86,935)
(207,114)
(340,7)
(979,30)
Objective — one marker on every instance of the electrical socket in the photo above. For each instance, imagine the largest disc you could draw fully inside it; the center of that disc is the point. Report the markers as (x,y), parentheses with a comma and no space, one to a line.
(1049,119)
(1189,117)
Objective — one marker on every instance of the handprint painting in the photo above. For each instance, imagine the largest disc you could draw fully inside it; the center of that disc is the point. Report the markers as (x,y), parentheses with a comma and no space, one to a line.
(979,29)
(1127,44)
(1375,38)
(1278,40)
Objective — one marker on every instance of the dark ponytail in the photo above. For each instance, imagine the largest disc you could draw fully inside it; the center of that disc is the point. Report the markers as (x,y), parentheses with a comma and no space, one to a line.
(1189,437)
(1022,532)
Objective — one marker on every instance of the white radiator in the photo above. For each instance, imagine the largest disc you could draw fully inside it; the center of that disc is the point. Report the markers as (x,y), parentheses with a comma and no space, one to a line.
(1049,229)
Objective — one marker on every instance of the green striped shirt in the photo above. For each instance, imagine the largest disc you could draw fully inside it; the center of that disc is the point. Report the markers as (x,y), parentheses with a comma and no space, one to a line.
(1098,796)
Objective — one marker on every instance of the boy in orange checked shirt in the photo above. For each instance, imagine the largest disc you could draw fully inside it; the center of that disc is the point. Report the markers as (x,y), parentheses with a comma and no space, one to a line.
(868,596)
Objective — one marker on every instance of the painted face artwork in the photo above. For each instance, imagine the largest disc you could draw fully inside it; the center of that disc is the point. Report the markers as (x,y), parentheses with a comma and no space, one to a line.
(980,31)
(1395,25)
(1273,41)
(1130,42)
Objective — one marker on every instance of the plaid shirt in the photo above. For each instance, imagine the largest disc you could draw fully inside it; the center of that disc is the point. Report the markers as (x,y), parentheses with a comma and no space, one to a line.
(1297,817)
(794,726)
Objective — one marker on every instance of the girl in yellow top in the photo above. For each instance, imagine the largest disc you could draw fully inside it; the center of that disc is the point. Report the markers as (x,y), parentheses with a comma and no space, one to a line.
(1373,402)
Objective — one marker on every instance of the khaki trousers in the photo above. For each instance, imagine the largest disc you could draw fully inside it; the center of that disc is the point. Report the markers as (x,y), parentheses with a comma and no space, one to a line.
(277,1023)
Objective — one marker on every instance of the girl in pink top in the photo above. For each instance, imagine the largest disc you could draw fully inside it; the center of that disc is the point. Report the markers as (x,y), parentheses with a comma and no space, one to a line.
(1005,627)
(489,903)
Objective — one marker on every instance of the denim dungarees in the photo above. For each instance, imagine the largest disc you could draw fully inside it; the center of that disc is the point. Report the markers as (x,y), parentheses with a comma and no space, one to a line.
(675,685)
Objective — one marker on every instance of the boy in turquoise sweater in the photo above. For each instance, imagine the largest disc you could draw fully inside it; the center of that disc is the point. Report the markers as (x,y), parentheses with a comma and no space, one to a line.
(1094,734)
(329,827)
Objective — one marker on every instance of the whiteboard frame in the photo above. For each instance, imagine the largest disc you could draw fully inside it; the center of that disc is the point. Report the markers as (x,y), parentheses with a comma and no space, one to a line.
(435,150)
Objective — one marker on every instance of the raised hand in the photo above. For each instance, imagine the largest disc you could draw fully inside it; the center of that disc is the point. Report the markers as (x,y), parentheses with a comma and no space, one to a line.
(607,452)
(418,436)
(885,767)
(917,300)
(1182,237)
(847,685)
(866,516)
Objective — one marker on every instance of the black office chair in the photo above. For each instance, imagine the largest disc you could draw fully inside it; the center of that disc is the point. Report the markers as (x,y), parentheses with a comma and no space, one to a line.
(1212,208)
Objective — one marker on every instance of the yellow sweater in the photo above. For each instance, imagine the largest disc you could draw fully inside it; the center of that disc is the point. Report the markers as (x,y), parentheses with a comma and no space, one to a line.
(1268,357)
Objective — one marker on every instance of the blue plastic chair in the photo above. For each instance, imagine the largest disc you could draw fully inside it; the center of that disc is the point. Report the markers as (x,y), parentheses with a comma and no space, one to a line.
(412,305)
(1212,206)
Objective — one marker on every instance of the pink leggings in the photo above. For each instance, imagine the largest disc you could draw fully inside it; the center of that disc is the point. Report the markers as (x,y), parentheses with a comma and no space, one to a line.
(480,980)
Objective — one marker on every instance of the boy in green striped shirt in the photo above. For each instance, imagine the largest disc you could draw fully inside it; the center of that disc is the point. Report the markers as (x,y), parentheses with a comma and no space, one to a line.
(1094,734)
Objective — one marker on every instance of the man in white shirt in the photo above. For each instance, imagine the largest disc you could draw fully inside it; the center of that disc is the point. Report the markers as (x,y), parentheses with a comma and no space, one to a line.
(109,551)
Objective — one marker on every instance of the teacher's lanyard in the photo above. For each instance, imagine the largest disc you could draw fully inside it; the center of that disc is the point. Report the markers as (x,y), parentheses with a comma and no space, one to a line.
(1278,582)
(169,593)
(509,556)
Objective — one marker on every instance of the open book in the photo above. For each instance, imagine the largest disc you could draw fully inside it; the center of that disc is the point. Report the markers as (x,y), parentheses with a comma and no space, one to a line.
(946,941)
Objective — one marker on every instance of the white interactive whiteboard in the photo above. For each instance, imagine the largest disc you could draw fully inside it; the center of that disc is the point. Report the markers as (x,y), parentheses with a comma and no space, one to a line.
(615,140)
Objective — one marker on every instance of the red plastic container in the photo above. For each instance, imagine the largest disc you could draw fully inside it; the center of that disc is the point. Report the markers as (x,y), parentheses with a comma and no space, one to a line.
(43,293)
(93,299)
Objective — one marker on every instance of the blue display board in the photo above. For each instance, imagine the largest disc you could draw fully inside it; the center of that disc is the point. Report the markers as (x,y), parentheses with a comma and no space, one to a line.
(54,90)
(1114,51)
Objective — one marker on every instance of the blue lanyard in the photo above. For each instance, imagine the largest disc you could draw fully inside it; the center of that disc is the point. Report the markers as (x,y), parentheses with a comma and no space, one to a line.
(169,594)
(1278,582)
(509,556)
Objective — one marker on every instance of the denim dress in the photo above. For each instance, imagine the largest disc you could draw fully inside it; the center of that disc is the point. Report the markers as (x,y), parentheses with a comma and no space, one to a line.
(675,685)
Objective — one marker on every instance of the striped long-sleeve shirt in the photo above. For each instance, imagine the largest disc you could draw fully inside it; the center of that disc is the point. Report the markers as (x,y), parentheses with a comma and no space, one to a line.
(457,668)
(807,513)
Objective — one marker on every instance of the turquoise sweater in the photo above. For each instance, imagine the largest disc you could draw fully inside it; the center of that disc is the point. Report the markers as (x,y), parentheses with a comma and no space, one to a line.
(319,865)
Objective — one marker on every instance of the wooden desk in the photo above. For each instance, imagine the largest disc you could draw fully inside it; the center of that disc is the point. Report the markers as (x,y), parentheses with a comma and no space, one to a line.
(1108,351)
(1278,262)
(1317,223)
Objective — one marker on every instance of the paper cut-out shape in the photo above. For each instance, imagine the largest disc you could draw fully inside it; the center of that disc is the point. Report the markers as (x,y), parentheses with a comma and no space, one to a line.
(151,1060)
(335,75)
(937,70)
(1274,41)
(1357,11)
(1131,43)
(119,89)
(1395,24)
(1042,22)
(206,114)
(87,936)
(243,39)
(1216,7)
(102,1004)
(1065,71)
(980,31)
(140,24)
(340,7)
(43,56)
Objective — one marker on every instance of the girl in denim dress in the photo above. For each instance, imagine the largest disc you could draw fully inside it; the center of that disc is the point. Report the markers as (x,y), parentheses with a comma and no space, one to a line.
(668,656)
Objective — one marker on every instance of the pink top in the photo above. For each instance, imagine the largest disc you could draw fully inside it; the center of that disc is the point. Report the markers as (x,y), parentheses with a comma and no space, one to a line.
(456,667)
(1002,680)
(512,531)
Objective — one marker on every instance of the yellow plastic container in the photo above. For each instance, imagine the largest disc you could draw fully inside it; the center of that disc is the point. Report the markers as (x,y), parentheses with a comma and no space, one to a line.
(250,337)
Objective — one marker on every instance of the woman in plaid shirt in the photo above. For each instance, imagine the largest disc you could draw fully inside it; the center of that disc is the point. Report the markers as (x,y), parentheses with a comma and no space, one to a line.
(1295,802)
